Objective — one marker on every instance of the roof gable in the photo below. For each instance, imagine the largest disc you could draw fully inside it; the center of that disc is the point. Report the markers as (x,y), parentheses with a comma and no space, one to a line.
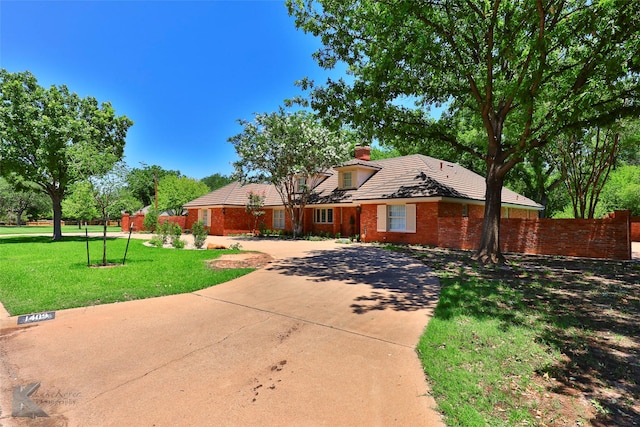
(414,176)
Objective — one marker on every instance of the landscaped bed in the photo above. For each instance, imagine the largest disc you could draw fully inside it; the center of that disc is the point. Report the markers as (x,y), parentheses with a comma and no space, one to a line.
(39,274)
(540,341)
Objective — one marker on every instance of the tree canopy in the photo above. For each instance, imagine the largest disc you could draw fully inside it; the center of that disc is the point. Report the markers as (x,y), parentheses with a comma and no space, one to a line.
(142,182)
(521,71)
(49,137)
(175,191)
(216,181)
(15,202)
(290,151)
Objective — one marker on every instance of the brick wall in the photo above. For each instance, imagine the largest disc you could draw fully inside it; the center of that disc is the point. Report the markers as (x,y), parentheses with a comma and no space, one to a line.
(426,225)
(138,221)
(635,228)
(591,238)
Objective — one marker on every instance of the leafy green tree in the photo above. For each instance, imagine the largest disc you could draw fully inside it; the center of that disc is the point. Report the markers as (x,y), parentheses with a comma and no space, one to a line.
(254,207)
(106,190)
(585,160)
(290,151)
(384,153)
(216,181)
(174,192)
(79,203)
(14,203)
(142,182)
(622,190)
(47,135)
(523,71)
(538,178)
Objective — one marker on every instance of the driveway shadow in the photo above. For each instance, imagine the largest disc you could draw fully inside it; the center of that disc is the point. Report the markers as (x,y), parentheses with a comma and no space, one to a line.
(399,282)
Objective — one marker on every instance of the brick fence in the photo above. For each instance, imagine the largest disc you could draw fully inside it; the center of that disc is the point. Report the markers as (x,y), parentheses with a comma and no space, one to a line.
(635,228)
(138,221)
(591,238)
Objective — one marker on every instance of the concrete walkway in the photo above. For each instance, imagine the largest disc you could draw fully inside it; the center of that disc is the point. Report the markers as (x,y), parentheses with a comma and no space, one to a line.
(324,335)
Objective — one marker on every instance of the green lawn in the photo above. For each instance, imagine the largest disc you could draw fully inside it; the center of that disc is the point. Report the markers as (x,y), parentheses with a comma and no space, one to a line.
(38,274)
(43,229)
(538,341)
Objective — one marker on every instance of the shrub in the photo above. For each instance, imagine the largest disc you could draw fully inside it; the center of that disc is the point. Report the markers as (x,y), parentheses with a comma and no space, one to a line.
(200,233)
(150,221)
(175,232)
(164,229)
(177,243)
(156,241)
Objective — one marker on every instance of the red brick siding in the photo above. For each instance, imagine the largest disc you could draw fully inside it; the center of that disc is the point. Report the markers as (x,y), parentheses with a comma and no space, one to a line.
(635,228)
(426,226)
(138,221)
(476,211)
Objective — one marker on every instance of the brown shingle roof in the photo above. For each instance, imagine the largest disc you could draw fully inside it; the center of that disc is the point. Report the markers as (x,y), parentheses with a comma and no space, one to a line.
(414,176)
(235,194)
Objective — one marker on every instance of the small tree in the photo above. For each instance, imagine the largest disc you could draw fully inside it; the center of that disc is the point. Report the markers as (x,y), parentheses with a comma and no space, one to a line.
(254,207)
(200,233)
(79,204)
(106,190)
(290,151)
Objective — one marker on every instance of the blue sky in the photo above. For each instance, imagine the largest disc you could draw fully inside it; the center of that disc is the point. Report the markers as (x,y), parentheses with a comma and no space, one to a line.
(183,71)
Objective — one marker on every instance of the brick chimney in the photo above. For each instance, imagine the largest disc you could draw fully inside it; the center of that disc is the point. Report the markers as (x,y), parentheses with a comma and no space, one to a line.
(363,153)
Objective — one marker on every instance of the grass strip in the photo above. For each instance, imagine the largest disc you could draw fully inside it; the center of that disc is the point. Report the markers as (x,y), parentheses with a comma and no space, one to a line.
(480,352)
(40,275)
(47,229)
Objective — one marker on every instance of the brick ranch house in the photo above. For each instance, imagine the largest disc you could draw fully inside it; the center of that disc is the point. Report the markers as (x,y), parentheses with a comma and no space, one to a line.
(398,200)
(413,199)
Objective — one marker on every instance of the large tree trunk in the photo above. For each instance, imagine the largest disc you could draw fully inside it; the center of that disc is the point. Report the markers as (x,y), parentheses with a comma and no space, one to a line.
(489,250)
(56,201)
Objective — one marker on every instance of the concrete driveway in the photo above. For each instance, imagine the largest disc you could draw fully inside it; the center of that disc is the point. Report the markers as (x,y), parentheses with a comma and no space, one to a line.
(324,335)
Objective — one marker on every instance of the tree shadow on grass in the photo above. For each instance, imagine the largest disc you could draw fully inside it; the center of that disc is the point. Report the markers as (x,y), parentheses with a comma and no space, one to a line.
(590,310)
(398,282)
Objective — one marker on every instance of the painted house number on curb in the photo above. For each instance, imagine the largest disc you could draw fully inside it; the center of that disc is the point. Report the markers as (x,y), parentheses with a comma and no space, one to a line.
(37,317)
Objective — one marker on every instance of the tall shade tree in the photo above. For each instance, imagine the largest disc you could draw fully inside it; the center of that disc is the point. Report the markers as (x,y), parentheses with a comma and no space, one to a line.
(526,70)
(142,182)
(14,202)
(290,151)
(175,191)
(46,135)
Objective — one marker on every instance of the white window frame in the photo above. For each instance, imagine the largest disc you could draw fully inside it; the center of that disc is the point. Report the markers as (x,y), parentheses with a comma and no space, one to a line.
(203,215)
(278,219)
(397,217)
(347,183)
(386,218)
(323,215)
